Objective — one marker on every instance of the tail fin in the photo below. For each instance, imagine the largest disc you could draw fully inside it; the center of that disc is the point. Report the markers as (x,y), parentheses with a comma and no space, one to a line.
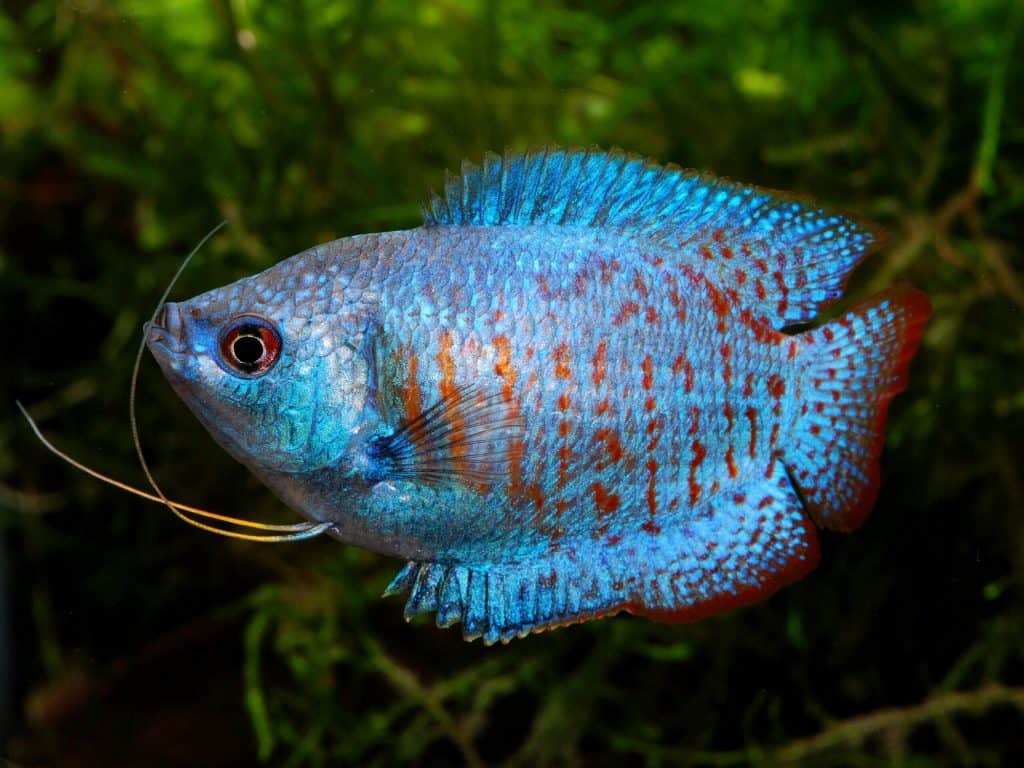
(853,368)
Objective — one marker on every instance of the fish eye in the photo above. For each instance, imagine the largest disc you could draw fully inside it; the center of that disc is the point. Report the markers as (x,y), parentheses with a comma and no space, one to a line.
(250,345)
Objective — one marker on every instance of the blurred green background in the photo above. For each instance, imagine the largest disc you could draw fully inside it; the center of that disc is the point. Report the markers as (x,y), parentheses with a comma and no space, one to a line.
(128,129)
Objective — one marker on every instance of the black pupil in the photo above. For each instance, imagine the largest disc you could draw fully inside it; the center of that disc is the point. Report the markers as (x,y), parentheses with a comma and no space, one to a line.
(247,349)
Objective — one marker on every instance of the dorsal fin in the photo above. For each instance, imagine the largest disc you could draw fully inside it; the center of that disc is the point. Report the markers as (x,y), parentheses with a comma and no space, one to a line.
(786,257)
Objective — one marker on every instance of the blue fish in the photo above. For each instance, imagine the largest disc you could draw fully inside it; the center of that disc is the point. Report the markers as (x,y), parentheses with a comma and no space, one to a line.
(570,393)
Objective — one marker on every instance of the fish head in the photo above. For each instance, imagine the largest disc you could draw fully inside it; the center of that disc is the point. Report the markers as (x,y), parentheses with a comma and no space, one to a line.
(273,365)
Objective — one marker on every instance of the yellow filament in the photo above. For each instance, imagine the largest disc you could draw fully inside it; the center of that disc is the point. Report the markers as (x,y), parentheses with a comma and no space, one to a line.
(293,532)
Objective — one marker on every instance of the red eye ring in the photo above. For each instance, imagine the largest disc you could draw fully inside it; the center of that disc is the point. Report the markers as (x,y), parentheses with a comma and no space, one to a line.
(250,346)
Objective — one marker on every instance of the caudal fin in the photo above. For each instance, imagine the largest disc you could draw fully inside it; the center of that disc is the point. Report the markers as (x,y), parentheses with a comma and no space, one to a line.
(853,368)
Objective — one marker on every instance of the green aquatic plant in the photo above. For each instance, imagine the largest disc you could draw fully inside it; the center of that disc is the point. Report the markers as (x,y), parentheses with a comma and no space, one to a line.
(128,129)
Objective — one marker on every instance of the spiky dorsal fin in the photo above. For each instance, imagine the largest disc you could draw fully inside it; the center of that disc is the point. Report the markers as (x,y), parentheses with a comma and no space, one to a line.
(787,257)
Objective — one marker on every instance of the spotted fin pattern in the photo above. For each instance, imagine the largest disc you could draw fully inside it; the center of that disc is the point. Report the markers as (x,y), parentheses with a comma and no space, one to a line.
(787,257)
(856,365)
(741,546)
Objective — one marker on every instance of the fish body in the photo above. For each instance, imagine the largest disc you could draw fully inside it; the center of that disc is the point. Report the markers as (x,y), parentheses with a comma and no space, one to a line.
(570,393)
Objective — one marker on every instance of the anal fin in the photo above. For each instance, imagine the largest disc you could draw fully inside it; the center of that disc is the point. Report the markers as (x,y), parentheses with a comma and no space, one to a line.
(737,548)
(748,543)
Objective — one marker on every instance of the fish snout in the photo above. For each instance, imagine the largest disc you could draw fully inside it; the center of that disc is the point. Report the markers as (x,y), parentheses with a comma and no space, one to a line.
(166,329)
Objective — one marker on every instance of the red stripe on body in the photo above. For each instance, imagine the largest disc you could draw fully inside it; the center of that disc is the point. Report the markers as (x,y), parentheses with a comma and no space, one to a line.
(503,365)
(536,496)
(449,390)
(612,444)
(600,363)
(564,457)
(676,300)
(682,365)
(515,467)
(694,420)
(626,310)
(759,289)
(748,385)
(506,371)
(412,399)
(604,502)
(652,486)
(562,360)
(447,364)
(562,371)
(720,304)
(699,452)
(542,284)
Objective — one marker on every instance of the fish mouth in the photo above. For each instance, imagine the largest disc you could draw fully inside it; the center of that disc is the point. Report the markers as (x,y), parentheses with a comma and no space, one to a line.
(165,333)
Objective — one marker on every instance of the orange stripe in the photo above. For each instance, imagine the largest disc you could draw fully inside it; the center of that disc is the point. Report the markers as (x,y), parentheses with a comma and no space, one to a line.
(699,452)
(444,359)
(448,389)
(503,367)
(515,468)
(562,359)
(604,502)
(411,396)
(652,486)
(600,362)
(648,369)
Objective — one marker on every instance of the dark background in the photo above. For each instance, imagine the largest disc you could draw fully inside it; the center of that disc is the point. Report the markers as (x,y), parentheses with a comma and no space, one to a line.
(128,129)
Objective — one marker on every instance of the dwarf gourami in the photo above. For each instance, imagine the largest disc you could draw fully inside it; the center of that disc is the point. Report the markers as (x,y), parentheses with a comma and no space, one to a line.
(574,391)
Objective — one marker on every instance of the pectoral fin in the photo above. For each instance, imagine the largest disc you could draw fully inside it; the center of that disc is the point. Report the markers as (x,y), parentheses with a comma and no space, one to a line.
(470,436)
